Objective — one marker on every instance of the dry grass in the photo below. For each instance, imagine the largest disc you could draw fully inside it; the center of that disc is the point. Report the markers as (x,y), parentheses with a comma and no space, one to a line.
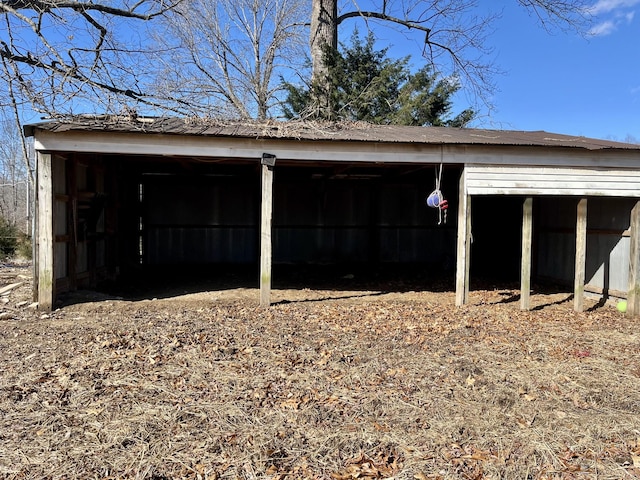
(400,386)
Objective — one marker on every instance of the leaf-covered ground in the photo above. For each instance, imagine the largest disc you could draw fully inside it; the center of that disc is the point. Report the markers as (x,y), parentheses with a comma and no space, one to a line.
(324,385)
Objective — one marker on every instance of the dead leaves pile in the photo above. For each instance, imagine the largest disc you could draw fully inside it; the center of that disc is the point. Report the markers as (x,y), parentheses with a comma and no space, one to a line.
(335,390)
(366,467)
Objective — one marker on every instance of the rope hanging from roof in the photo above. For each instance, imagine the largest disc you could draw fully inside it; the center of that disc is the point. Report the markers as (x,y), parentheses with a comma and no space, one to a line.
(436,199)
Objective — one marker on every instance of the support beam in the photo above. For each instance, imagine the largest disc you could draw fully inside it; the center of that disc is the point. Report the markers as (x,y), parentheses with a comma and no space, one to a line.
(268,162)
(633,297)
(463,255)
(44,233)
(525,263)
(35,245)
(581,256)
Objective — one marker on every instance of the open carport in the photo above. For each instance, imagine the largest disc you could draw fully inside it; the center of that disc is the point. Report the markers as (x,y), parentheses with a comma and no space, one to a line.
(121,195)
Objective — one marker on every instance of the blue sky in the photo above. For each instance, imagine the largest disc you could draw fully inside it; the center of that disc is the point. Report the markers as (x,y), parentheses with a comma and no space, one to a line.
(567,83)
(562,82)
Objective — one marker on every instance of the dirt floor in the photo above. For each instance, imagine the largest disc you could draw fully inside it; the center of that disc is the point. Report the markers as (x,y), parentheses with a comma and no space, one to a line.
(325,384)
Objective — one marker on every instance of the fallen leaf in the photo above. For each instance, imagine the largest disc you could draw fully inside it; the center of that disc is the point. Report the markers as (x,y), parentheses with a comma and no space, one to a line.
(94,411)
(290,404)
(380,428)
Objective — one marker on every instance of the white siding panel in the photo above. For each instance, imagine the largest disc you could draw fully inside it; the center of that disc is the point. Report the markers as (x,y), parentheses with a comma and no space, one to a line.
(520,180)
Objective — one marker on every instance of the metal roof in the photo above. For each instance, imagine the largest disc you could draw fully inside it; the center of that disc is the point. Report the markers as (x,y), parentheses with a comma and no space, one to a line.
(313,131)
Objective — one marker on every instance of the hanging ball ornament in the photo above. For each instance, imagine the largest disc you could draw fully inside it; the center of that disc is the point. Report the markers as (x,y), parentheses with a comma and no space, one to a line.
(434,199)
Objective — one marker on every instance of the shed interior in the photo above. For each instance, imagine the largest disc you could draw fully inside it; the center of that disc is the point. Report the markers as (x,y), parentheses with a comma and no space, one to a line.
(133,224)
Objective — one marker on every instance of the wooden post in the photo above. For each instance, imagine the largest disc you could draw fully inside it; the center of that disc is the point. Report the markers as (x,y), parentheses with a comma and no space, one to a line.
(268,162)
(35,269)
(72,221)
(633,297)
(44,232)
(463,255)
(525,264)
(581,255)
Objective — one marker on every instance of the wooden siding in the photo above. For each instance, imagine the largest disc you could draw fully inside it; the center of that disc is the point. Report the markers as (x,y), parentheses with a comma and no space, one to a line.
(531,180)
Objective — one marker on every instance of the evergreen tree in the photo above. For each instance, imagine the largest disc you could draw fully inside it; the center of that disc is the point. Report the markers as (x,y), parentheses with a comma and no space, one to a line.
(364,84)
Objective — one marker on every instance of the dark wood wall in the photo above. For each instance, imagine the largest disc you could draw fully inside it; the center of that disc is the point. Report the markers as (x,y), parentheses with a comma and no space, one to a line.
(118,215)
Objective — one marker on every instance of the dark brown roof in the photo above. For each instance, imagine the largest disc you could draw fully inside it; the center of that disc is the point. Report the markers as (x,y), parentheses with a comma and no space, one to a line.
(351,131)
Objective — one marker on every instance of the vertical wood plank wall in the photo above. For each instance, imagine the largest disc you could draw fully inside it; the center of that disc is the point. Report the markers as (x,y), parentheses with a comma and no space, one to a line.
(45,231)
(581,255)
(525,269)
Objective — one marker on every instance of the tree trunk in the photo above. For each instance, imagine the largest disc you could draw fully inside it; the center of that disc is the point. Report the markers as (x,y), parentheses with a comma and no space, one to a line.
(324,33)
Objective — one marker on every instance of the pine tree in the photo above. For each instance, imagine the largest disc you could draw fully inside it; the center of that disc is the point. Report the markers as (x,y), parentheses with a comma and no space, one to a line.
(365,84)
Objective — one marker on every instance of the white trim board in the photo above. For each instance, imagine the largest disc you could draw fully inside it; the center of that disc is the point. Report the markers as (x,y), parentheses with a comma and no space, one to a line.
(329,151)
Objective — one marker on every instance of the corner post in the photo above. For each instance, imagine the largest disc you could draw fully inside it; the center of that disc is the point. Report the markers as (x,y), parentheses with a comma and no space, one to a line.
(581,255)
(268,162)
(525,263)
(633,296)
(463,255)
(44,233)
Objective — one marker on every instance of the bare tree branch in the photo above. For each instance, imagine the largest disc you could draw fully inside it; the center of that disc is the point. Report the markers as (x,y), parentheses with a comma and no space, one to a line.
(61,50)
(42,6)
(237,50)
(563,14)
(16,118)
(383,16)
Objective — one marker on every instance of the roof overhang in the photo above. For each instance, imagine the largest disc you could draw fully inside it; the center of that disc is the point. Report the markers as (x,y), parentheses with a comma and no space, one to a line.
(353,142)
